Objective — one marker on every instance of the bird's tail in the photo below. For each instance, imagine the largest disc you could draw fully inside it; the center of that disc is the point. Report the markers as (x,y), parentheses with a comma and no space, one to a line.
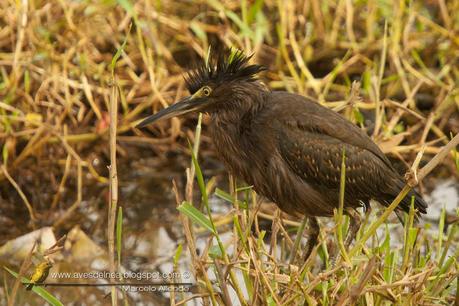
(419,204)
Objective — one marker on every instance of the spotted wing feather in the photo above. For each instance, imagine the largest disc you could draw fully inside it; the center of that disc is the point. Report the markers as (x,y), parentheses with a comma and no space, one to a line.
(312,142)
(317,158)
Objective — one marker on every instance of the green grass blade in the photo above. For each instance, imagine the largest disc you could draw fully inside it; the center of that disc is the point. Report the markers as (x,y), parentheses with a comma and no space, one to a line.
(299,235)
(224,195)
(196,216)
(119,233)
(254,10)
(177,254)
(449,241)
(339,217)
(44,294)
(441,228)
(118,53)
(200,179)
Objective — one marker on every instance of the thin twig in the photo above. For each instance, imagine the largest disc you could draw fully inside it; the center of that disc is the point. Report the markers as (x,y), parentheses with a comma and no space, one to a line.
(436,160)
(21,194)
(113,201)
(22,270)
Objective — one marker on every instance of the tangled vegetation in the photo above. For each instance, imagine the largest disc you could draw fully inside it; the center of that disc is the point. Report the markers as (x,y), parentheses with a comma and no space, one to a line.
(57,84)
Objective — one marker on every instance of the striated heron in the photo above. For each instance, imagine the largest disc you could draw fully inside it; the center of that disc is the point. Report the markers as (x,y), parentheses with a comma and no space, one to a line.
(287,146)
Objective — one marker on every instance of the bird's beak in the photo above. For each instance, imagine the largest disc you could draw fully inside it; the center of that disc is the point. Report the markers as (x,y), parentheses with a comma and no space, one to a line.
(187,105)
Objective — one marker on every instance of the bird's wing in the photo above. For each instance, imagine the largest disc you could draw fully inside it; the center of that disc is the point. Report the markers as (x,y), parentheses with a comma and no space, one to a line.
(316,158)
(312,139)
(310,116)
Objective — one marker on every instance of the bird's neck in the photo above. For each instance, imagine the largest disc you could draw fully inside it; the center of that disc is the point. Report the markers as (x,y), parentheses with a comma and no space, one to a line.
(232,126)
(242,106)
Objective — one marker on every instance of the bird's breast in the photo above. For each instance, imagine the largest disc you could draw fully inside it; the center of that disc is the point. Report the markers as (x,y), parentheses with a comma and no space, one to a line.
(241,152)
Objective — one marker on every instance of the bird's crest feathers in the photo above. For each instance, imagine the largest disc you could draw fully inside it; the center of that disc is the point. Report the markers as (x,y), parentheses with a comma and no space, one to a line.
(227,66)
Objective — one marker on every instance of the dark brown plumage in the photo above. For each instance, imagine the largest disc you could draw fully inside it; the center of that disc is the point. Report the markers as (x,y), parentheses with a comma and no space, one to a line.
(286,145)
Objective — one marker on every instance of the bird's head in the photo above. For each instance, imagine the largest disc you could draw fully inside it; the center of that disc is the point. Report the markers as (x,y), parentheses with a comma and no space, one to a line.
(212,85)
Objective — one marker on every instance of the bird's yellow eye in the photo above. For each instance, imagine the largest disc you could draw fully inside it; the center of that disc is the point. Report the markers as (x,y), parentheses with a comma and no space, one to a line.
(206,91)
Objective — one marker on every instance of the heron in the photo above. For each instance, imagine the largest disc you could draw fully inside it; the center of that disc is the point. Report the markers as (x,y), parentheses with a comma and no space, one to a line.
(287,146)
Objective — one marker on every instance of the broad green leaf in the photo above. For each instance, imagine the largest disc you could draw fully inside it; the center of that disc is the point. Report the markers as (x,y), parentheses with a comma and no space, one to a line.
(48,297)
(224,195)
(196,216)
